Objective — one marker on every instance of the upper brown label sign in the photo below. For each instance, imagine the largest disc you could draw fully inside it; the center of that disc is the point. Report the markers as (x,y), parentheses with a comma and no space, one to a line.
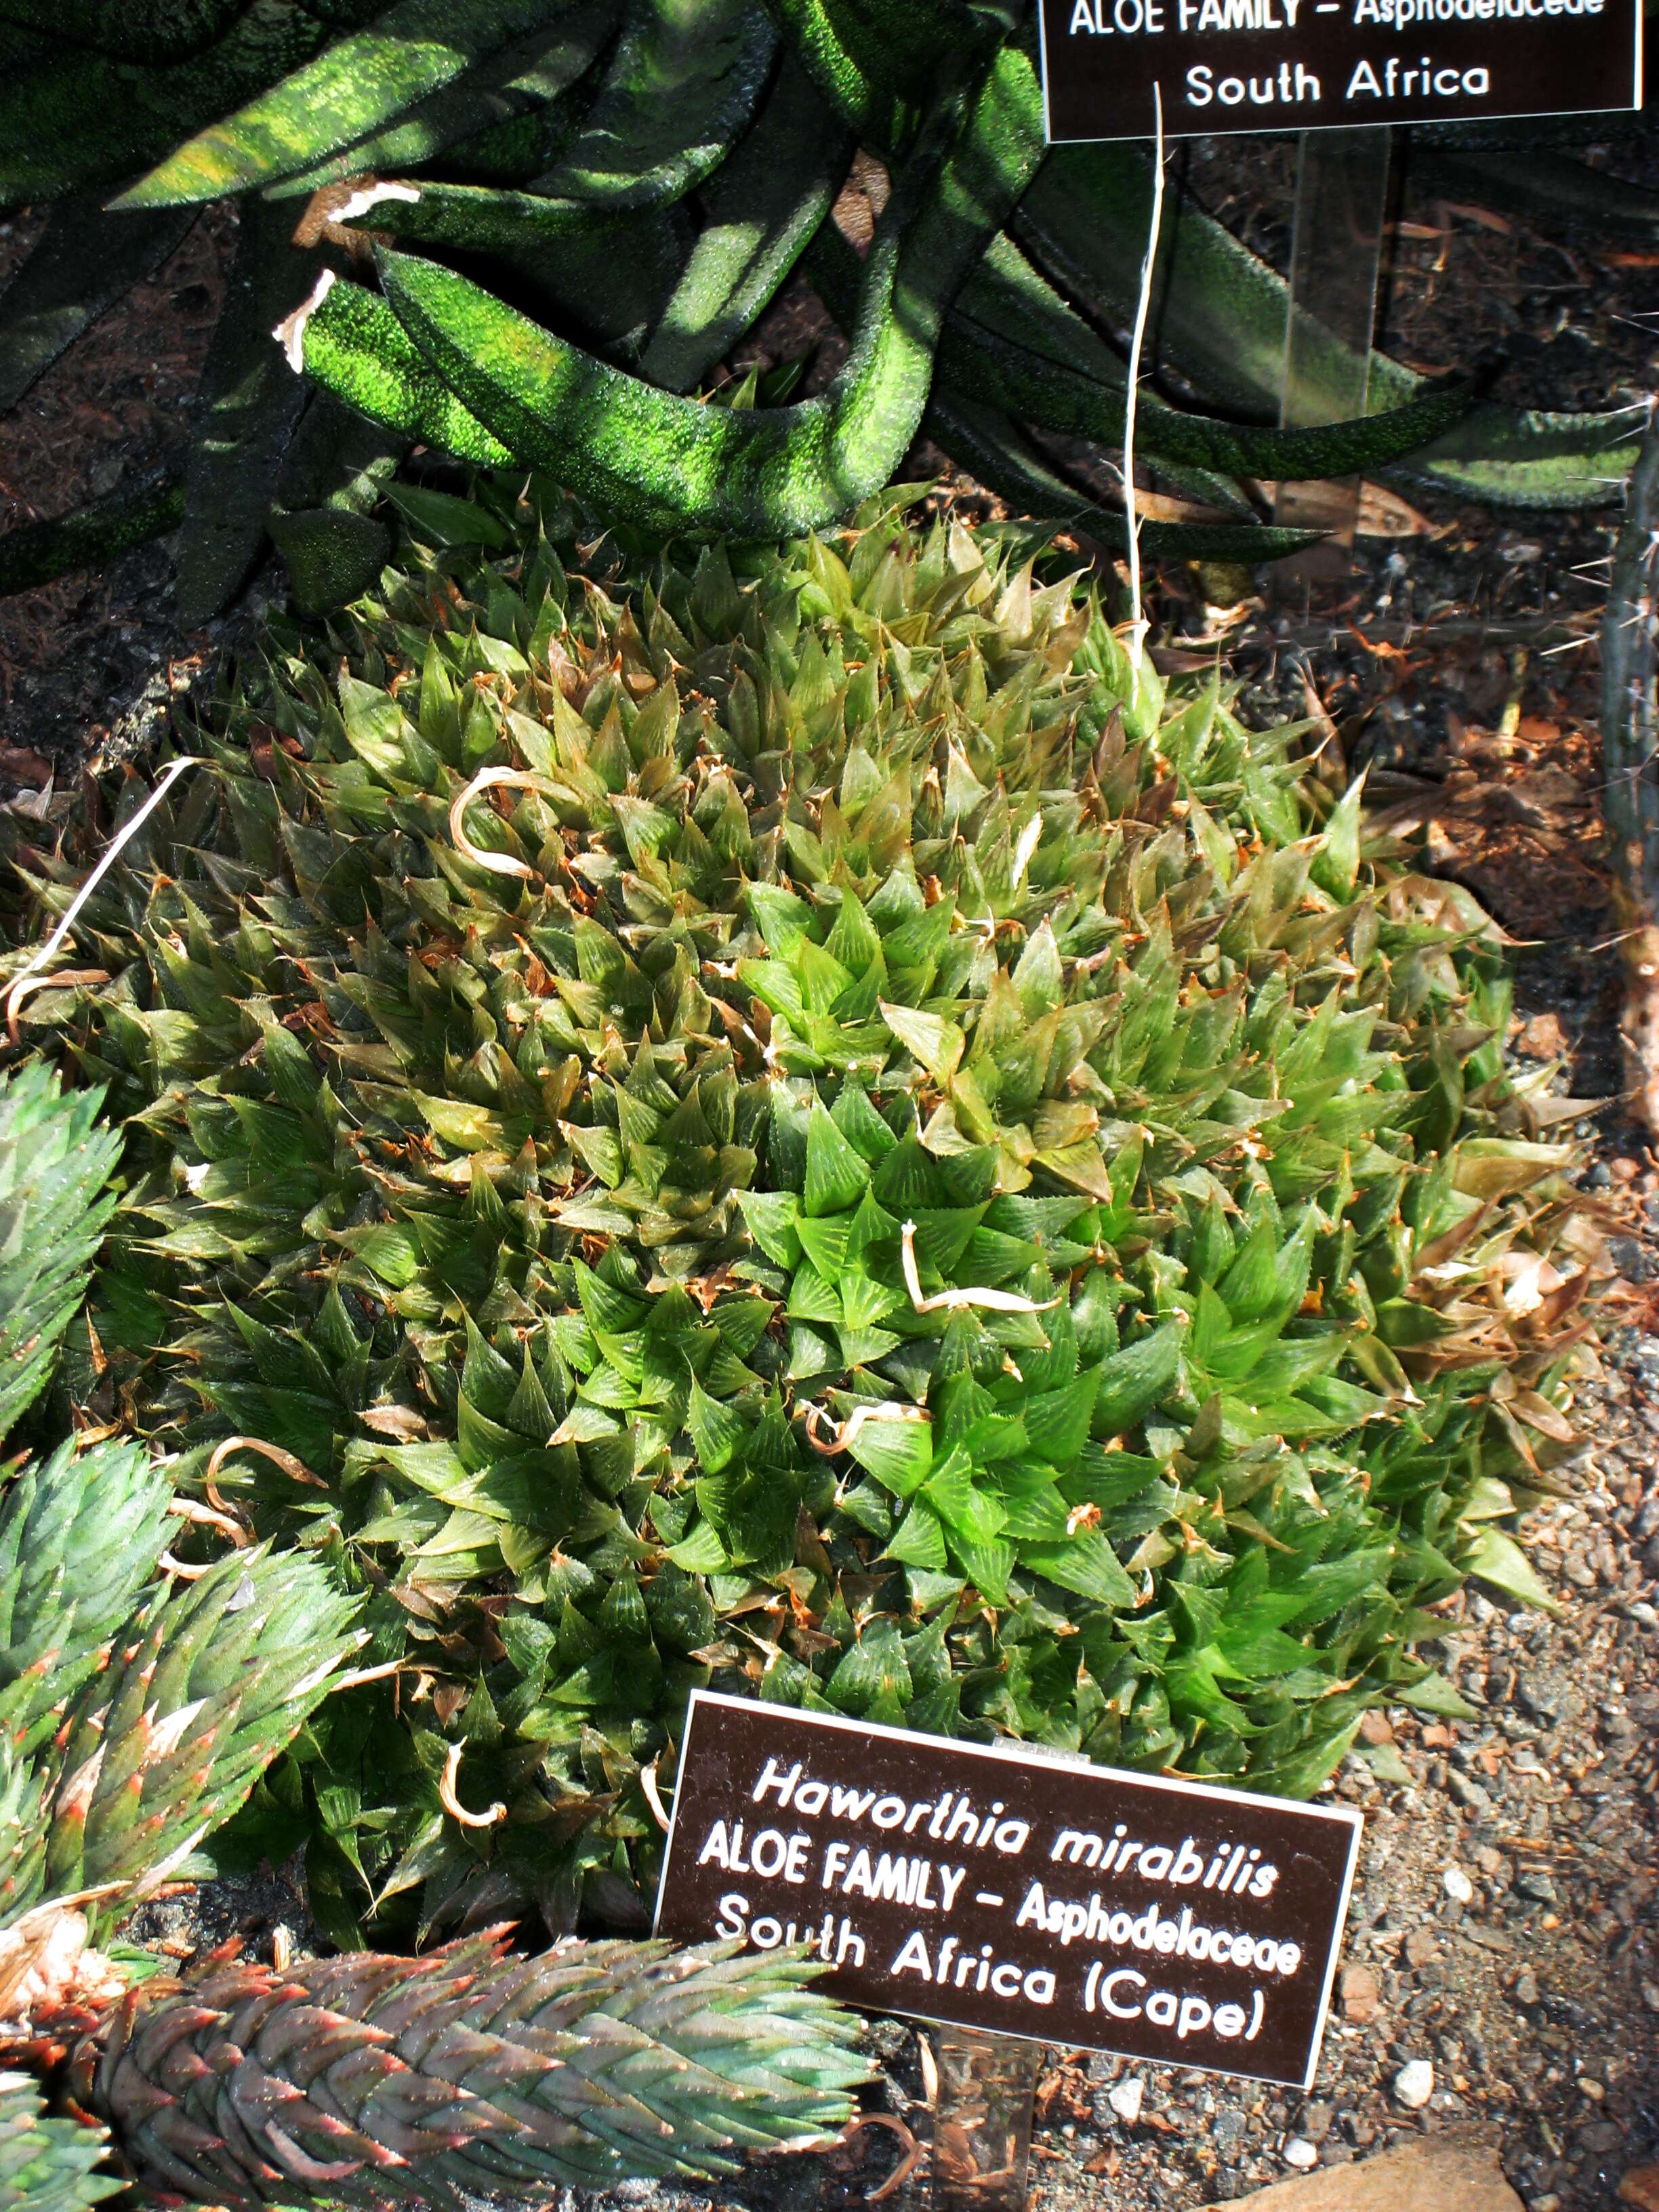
(1231,65)
(1002,1890)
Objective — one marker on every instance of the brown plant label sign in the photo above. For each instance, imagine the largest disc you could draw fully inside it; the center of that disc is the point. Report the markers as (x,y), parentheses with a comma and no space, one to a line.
(1004,1890)
(1229,65)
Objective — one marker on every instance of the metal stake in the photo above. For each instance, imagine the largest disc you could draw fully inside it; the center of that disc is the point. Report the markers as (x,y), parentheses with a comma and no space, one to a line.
(982,2119)
(1336,249)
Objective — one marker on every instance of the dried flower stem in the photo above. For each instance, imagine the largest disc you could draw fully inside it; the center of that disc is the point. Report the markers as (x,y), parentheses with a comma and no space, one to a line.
(951,1300)
(452,1805)
(889,1410)
(42,959)
(1143,304)
(490,778)
(285,1460)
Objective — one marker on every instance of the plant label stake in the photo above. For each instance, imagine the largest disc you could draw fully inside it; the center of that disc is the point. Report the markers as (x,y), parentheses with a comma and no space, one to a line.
(1240,65)
(1336,252)
(986,2102)
(1008,1894)
(982,2119)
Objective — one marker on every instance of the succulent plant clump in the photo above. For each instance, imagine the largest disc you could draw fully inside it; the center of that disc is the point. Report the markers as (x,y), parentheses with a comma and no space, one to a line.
(46,2165)
(134,1719)
(802,1121)
(467,2076)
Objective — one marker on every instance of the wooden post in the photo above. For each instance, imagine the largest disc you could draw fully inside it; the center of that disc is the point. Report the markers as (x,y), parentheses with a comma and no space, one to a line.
(1336,250)
(982,2119)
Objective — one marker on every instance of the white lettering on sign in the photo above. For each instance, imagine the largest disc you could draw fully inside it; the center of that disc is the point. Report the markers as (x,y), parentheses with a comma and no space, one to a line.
(980,1971)
(1226,66)
(950,1818)
(1119,1994)
(1129,18)
(1401,14)
(1203,87)
(1232,1867)
(1398,81)
(1174,1920)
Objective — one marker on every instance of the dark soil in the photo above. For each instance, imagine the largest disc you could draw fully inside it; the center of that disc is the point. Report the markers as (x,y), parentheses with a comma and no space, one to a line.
(79,656)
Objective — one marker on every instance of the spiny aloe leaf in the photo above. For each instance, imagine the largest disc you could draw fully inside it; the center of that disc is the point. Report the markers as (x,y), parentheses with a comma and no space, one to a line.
(36,552)
(1534,458)
(1221,322)
(513,149)
(607,289)
(1221,313)
(594,2063)
(1545,184)
(681,87)
(358,85)
(1070,380)
(82,263)
(658,459)
(1015,302)
(81,120)
(332,478)
(47,2164)
(867,106)
(523,80)
(684,81)
(1006,462)
(898,43)
(80,1537)
(55,1167)
(354,346)
(332,555)
(761,208)
(248,403)
(180,1719)
(998,374)
(1009,297)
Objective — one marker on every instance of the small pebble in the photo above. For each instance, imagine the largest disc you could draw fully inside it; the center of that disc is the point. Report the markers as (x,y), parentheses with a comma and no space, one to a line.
(1591,2089)
(1301,2154)
(1413,2085)
(1458,1885)
(1125,2099)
